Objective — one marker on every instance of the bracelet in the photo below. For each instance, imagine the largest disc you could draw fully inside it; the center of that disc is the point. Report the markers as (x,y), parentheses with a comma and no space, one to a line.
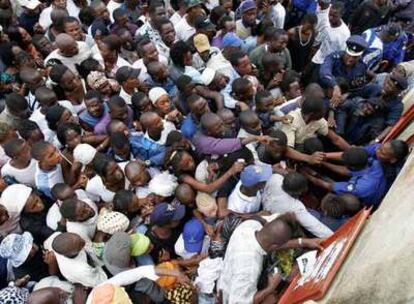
(300,241)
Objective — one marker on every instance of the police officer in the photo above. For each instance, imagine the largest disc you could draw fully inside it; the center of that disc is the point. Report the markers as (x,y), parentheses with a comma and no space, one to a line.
(384,43)
(366,177)
(360,121)
(346,65)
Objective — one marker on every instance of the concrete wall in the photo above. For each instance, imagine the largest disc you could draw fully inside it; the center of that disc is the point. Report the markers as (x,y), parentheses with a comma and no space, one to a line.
(380,266)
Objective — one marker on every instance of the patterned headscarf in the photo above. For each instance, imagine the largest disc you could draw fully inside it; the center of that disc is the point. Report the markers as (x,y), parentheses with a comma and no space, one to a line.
(16,248)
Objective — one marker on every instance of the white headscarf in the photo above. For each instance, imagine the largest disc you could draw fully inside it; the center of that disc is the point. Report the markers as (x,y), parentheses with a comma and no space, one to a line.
(84,154)
(14,197)
(163,184)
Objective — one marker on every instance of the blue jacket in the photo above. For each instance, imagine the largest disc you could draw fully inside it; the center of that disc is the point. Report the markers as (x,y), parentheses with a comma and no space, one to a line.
(334,67)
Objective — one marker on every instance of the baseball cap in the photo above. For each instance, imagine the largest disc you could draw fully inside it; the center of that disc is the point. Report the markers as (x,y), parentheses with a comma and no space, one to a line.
(356,45)
(231,39)
(201,43)
(203,23)
(193,235)
(254,174)
(166,213)
(246,6)
(399,81)
(126,72)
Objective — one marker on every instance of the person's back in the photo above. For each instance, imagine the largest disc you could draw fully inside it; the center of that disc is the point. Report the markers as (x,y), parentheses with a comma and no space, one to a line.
(242,263)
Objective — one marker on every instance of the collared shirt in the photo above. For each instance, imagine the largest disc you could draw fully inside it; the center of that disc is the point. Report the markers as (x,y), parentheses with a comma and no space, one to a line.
(243,264)
(125,96)
(369,184)
(241,203)
(210,145)
(276,200)
(147,149)
(298,131)
(334,67)
(45,180)
(168,127)
(168,85)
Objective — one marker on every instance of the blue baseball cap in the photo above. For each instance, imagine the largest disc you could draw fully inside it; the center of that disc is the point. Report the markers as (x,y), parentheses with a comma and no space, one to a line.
(231,39)
(164,214)
(193,235)
(254,174)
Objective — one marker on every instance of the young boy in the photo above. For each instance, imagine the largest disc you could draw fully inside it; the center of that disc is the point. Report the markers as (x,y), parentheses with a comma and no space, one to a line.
(265,104)
(48,170)
(21,166)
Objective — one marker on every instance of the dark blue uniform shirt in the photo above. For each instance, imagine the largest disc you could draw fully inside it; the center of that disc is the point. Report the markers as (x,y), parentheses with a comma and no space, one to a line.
(334,67)
(369,185)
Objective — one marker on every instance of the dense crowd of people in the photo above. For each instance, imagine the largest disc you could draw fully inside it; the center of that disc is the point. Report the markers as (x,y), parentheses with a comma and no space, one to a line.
(188,151)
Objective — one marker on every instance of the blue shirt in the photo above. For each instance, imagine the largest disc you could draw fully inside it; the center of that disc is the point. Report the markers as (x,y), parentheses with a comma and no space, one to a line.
(308,6)
(334,67)
(147,149)
(89,119)
(369,184)
(332,223)
(189,127)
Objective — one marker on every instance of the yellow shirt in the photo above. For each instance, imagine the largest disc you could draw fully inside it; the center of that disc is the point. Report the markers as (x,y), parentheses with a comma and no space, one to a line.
(298,131)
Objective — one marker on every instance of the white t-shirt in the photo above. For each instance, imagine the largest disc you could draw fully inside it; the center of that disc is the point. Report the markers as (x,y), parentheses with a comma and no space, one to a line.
(96,188)
(24,176)
(279,15)
(45,19)
(112,6)
(183,30)
(331,39)
(139,64)
(238,202)
(71,62)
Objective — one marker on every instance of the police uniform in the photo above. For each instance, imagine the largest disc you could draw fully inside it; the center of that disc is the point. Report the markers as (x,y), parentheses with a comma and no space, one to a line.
(369,184)
(358,129)
(334,67)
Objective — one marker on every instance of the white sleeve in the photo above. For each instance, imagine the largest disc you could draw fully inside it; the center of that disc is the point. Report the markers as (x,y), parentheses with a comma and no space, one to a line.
(322,25)
(131,276)
(311,223)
